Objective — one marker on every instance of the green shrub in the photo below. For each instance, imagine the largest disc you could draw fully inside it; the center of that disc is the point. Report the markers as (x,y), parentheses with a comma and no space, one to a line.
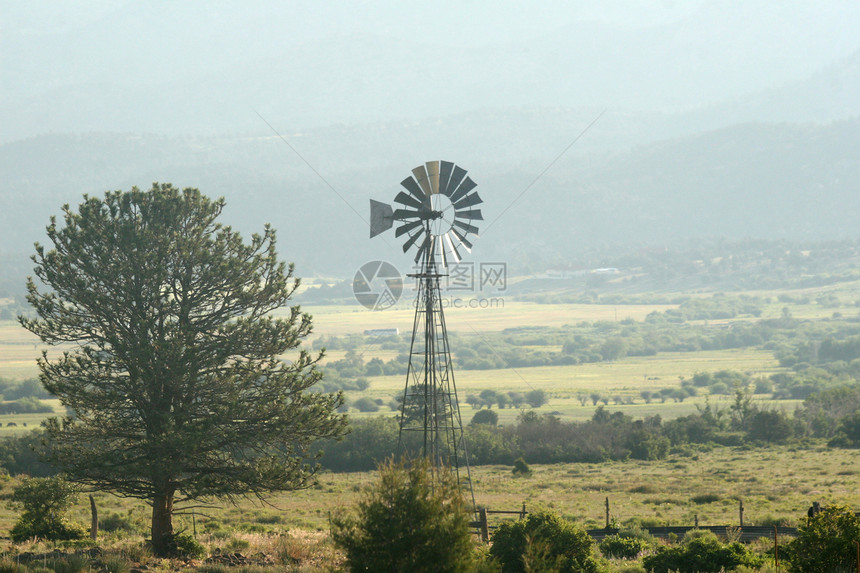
(485,417)
(618,547)
(543,541)
(45,502)
(826,543)
(412,519)
(705,498)
(366,404)
(521,468)
(116,522)
(185,546)
(270,518)
(702,553)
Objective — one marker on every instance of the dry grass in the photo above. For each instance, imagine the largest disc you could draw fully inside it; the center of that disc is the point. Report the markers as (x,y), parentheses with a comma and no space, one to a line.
(775,484)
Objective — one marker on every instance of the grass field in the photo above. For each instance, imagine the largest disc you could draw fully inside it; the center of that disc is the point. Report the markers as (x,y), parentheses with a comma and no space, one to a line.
(776,485)
(343,319)
(627,377)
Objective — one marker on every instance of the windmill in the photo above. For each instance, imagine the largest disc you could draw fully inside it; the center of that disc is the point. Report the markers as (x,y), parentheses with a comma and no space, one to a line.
(435,216)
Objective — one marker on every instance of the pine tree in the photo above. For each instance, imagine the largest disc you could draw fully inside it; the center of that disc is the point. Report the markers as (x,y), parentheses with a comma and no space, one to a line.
(173,368)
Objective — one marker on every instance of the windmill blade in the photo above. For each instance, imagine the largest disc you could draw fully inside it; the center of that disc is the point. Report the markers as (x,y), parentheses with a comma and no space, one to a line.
(474,215)
(468,201)
(445,169)
(404,214)
(433,175)
(410,185)
(408,244)
(466,227)
(441,245)
(408,227)
(463,240)
(456,177)
(420,174)
(381,218)
(466,186)
(408,200)
(452,248)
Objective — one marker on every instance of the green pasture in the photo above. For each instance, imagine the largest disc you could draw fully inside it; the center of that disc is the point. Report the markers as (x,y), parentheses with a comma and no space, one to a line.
(776,485)
(18,351)
(625,378)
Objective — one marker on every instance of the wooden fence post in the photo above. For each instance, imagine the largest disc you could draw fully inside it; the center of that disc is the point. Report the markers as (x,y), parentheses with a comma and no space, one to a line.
(741,511)
(607,512)
(523,513)
(485,526)
(696,520)
(94,524)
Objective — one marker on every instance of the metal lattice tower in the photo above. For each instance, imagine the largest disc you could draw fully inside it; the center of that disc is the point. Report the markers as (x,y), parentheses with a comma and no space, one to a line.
(430,406)
(438,207)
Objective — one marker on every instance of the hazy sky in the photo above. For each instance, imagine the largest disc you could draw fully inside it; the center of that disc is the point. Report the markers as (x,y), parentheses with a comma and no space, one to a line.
(207,66)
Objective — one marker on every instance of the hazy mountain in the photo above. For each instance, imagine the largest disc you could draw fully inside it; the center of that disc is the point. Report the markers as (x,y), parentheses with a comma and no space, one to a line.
(753,180)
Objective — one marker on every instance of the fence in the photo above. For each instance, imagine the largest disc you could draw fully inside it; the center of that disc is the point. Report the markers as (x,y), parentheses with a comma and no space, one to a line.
(483,526)
(743,533)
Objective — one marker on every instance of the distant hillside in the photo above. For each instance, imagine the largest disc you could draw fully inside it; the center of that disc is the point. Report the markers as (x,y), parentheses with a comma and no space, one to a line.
(754,180)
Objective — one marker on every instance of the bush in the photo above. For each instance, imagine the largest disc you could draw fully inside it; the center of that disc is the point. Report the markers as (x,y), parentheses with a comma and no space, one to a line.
(702,553)
(827,542)
(45,502)
(411,519)
(116,522)
(20,455)
(366,404)
(616,547)
(485,417)
(26,405)
(543,541)
(770,426)
(185,546)
(521,468)
(536,398)
(624,545)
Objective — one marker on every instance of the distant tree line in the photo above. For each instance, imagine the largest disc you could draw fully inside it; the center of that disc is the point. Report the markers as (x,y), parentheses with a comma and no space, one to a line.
(832,415)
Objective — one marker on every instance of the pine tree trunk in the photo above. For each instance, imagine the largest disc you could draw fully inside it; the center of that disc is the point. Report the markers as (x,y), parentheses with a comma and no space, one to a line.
(162,524)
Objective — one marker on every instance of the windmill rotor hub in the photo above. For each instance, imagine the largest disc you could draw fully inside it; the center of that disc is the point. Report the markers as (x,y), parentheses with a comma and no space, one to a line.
(436,212)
